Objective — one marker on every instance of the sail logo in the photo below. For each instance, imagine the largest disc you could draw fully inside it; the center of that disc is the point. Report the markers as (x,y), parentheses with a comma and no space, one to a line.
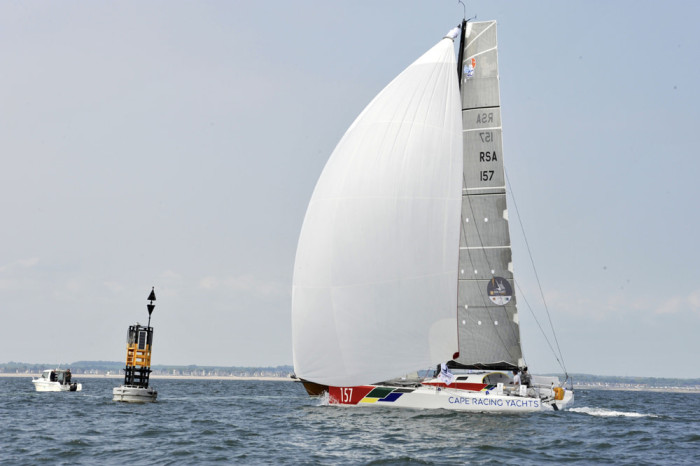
(470,67)
(499,291)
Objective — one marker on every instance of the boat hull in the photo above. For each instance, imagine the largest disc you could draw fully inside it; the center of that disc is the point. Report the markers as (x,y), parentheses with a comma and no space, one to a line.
(134,394)
(431,397)
(314,389)
(46,386)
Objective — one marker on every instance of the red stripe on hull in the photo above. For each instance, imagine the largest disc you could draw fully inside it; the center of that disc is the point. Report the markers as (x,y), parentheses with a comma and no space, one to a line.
(472,387)
(347,395)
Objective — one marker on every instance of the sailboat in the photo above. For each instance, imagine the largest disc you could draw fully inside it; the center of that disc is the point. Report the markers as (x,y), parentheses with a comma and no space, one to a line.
(403,290)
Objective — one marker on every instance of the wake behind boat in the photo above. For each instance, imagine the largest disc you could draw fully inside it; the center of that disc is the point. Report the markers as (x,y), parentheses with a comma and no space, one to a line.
(407,229)
(56,380)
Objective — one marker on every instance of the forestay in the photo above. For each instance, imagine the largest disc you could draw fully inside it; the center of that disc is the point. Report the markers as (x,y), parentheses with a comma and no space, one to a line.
(489,335)
(375,289)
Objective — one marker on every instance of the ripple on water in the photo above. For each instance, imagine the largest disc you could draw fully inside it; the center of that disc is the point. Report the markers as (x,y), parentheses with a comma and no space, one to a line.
(275,422)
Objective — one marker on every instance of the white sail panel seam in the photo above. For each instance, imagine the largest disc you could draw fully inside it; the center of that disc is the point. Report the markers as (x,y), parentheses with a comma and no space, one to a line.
(481,129)
(482,188)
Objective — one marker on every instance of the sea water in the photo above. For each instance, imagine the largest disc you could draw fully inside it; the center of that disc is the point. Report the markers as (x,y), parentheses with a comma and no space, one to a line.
(267,422)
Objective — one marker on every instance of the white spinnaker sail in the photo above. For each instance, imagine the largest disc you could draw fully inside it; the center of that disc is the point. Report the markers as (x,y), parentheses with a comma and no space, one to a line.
(375,276)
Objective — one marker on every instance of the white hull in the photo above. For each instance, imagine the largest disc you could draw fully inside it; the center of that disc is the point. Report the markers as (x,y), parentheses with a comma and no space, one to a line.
(430,397)
(45,386)
(134,394)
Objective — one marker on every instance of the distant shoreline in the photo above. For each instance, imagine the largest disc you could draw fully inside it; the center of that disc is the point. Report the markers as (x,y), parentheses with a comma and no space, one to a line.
(77,377)
(289,379)
(641,389)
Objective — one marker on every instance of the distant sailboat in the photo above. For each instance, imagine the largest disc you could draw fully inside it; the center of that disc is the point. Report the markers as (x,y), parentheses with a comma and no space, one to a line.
(404,258)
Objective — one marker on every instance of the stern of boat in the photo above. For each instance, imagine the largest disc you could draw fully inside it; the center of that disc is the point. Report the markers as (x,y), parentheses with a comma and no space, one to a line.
(558,401)
(567,402)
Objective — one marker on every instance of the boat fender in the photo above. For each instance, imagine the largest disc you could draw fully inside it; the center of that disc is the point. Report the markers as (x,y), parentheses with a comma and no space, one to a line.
(558,393)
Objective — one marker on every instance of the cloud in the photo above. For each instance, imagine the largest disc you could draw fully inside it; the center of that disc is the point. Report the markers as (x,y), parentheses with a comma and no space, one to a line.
(114,287)
(247,284)
(31,262)
(9,284)
(209,283)
(579,305)
(21,263)
(679,304)
(171,275)
(613,306)
(15,278)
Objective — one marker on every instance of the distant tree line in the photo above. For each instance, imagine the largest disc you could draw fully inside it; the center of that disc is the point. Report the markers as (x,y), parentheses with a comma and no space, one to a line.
(114,367)
(588,379)
(101,367)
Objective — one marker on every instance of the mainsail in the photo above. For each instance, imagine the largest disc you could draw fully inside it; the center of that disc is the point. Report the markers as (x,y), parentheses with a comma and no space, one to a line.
(374,288)
(489,334)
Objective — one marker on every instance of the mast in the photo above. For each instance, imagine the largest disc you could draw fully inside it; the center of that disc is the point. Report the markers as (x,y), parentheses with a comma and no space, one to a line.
(460,68)
(460,60)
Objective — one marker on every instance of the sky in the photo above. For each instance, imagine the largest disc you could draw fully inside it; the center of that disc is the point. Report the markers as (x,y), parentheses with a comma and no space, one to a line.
(176,144)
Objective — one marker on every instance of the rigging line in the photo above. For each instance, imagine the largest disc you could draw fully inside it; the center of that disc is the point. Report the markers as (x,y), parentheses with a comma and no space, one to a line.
(532,261)
(527,303)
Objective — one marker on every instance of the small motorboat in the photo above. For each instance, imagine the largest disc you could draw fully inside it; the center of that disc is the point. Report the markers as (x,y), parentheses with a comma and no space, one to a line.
(56,380)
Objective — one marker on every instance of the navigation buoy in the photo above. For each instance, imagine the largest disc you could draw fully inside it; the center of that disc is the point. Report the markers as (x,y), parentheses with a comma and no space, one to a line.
(139,342)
